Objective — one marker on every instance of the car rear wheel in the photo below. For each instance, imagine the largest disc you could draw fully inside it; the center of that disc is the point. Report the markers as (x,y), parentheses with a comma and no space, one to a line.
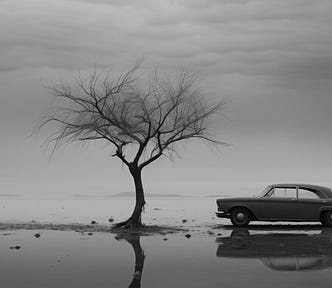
(327,218)
(240,217)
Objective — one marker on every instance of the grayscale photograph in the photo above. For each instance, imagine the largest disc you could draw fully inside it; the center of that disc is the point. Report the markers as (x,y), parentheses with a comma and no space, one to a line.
(165,143)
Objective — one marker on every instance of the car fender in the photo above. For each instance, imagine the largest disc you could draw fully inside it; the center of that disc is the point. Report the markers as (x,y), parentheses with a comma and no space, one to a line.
(325,208)
(246,206)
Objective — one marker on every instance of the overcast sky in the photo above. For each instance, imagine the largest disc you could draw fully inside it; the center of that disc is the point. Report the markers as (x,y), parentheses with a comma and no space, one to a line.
(271,58)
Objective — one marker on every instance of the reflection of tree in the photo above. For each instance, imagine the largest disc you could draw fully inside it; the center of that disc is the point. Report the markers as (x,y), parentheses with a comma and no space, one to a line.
(134,241)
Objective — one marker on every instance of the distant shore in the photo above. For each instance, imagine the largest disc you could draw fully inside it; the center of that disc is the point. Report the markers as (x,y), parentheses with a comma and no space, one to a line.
(129,194)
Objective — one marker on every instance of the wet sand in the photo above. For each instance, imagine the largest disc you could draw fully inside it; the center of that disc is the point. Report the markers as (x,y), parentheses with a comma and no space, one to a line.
(187,255)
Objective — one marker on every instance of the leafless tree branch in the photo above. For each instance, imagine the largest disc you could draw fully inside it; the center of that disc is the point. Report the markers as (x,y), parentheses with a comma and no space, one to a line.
(121,112)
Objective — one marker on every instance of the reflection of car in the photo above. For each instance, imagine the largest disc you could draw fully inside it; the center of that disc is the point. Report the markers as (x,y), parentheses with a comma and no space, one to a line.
(282,202)
(283,252)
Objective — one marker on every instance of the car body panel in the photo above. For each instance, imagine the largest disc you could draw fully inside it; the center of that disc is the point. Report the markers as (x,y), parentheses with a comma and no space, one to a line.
(247,202)
(271,208)
(309,209)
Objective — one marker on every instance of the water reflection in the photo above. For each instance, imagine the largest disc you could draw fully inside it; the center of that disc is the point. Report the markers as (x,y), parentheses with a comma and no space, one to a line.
(134,241)
(280,251)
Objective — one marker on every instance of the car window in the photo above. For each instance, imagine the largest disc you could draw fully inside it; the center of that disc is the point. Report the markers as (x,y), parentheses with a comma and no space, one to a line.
(282,192)
(307,194)
(263,193)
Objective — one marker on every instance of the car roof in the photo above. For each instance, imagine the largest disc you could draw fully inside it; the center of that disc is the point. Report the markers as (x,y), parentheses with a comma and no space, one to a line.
(316,187)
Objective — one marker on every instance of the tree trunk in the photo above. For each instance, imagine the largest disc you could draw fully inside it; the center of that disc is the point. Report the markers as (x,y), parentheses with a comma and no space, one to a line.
(134,220)
(139,193)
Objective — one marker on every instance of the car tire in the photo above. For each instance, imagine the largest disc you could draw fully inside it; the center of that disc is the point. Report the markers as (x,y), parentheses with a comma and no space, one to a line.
(327,218)
(240,217)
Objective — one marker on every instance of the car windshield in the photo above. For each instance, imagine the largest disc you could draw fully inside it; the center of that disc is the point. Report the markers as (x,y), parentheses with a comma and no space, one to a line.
(262,194)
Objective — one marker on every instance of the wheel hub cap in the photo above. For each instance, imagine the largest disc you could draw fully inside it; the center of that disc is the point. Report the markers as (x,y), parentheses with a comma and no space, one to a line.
(240,216)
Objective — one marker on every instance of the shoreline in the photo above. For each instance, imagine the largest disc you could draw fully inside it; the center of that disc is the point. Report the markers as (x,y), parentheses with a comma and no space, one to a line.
(154,229)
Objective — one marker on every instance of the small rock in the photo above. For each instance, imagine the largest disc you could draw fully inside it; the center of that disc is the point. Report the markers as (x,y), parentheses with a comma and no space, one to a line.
(165,239)
(219,234)
(184,221)
(17,247)
(210,233)
(93,222)
(111,220)
(90,233)
(59,261)
(37,235)
(157,209)
(187,235)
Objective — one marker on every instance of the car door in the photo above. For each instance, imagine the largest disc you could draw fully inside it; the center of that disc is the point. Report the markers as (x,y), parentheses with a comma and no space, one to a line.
(280,203)
(309,203)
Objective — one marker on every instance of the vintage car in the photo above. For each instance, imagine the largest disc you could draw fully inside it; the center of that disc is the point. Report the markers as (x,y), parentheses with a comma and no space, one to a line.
(280,202)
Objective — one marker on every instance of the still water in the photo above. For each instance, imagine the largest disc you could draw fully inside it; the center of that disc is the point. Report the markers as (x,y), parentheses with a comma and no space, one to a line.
(216,255)
(233,259)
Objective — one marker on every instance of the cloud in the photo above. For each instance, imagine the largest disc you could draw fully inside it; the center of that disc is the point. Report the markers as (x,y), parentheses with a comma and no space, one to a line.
(271,57)
(110,2)
(249,37)
(239,46)
(255,50)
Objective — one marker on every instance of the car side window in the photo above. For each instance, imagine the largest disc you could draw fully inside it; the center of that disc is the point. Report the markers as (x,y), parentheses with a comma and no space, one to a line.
(307,194)
(282,192)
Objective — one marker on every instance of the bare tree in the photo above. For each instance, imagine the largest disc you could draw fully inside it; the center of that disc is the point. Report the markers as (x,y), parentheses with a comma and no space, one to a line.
(151,118)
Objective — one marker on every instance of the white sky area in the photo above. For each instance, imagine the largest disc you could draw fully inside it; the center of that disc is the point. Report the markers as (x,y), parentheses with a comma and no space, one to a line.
(271,58)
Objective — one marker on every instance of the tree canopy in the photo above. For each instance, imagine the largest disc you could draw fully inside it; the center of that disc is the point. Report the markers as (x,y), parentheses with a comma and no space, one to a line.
(149,114)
